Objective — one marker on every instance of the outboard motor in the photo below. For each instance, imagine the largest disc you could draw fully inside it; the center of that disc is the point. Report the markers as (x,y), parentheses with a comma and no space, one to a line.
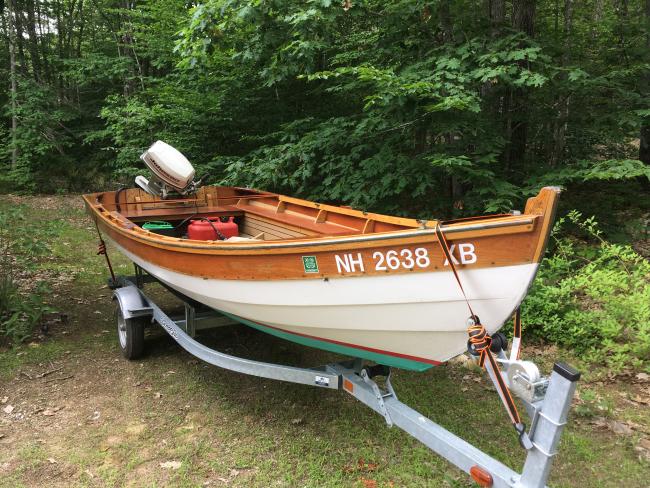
(172,172)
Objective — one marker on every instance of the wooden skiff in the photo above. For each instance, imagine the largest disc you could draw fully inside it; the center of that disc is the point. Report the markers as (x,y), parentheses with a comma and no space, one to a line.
(361,284)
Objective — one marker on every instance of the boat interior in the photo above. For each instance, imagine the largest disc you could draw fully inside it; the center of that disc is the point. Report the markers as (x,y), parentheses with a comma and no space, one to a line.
(259,215)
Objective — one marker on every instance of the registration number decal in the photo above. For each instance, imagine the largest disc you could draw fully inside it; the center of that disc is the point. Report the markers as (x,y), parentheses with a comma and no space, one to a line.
(461,253)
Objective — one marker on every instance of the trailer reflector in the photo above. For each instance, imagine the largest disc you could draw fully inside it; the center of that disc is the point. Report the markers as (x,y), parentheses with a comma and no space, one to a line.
(348,386)
(481,476)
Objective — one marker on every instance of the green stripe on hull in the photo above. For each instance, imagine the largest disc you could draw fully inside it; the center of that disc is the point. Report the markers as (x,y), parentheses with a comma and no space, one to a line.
(385,359)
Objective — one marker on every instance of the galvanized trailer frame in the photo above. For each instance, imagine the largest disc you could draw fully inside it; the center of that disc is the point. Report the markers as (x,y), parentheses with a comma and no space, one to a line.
(547,402)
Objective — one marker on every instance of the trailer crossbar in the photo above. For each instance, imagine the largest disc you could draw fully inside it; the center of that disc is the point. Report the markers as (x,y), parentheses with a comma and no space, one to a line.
(312,376)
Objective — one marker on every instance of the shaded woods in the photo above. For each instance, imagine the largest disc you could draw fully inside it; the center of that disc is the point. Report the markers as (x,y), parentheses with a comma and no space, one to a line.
(411,106)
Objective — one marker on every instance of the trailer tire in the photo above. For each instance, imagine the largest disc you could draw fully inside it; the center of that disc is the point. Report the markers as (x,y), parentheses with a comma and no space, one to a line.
(130,334)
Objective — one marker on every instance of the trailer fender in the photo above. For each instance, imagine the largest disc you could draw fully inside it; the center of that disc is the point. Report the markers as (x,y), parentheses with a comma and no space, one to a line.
(132,303)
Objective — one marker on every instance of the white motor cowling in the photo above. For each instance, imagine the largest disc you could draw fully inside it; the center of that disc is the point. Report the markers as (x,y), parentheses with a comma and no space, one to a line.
(172,172)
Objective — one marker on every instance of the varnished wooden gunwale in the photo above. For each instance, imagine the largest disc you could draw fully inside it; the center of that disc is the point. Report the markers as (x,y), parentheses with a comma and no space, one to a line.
(138,205)
(502,241)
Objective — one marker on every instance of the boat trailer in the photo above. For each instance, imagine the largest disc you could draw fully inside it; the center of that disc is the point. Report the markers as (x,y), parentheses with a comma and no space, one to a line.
(547,400)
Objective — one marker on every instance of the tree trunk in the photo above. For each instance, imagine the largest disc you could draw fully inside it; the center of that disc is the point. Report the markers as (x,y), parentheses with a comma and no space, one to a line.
(497,17)
(644,139)
(561,122)
(445,22)
(129,47)
(33,40)
(61,33)
(523,16)
(13,90)
(44,43)
(495,96)
(523,19)
(455,186)
(17,24)
(597,15)
(644,142)
(622,11)
(82,24)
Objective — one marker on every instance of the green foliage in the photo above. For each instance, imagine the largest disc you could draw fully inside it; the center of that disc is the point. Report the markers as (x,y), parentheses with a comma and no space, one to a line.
(590,171)
(593,298)
(20,312)
(413,114)
(593,405)
(169,112)
(41,142)
(409,107)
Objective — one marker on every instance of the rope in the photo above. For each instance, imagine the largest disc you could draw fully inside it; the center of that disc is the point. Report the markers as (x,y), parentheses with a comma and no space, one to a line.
(481,341)
(101,250)
(516,337)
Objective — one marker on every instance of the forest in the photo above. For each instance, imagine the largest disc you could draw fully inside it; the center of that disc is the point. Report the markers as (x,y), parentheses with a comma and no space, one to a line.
(411,107)
(414,107)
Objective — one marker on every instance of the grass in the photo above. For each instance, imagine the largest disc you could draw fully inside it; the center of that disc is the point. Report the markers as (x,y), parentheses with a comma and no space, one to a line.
(119,420)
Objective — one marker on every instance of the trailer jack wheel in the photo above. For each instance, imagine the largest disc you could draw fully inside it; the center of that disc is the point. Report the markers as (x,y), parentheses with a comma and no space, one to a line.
(130,333)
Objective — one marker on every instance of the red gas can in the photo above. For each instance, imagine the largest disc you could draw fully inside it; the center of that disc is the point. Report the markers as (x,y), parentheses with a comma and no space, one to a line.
(204,231)
(228,228)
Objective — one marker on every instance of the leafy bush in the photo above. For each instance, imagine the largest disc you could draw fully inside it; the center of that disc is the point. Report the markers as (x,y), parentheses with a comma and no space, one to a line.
(20,312)
(593,298)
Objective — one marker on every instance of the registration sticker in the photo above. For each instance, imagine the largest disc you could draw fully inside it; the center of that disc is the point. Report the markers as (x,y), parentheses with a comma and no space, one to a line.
(310,264)
(322,381)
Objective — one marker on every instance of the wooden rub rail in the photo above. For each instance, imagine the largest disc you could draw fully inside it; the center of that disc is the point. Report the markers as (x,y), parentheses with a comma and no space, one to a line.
(301,216)
(282,218)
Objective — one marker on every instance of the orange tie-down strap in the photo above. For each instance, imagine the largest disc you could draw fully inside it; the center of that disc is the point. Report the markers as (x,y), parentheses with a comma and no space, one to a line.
(481,342)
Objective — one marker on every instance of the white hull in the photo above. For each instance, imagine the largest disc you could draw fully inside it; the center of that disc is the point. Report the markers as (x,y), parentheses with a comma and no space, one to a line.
(418,315)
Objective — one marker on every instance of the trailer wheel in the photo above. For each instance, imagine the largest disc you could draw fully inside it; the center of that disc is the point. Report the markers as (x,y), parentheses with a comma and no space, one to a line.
(130,333)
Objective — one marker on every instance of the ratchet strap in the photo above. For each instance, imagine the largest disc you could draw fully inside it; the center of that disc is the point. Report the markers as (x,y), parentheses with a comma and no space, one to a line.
(481,342)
